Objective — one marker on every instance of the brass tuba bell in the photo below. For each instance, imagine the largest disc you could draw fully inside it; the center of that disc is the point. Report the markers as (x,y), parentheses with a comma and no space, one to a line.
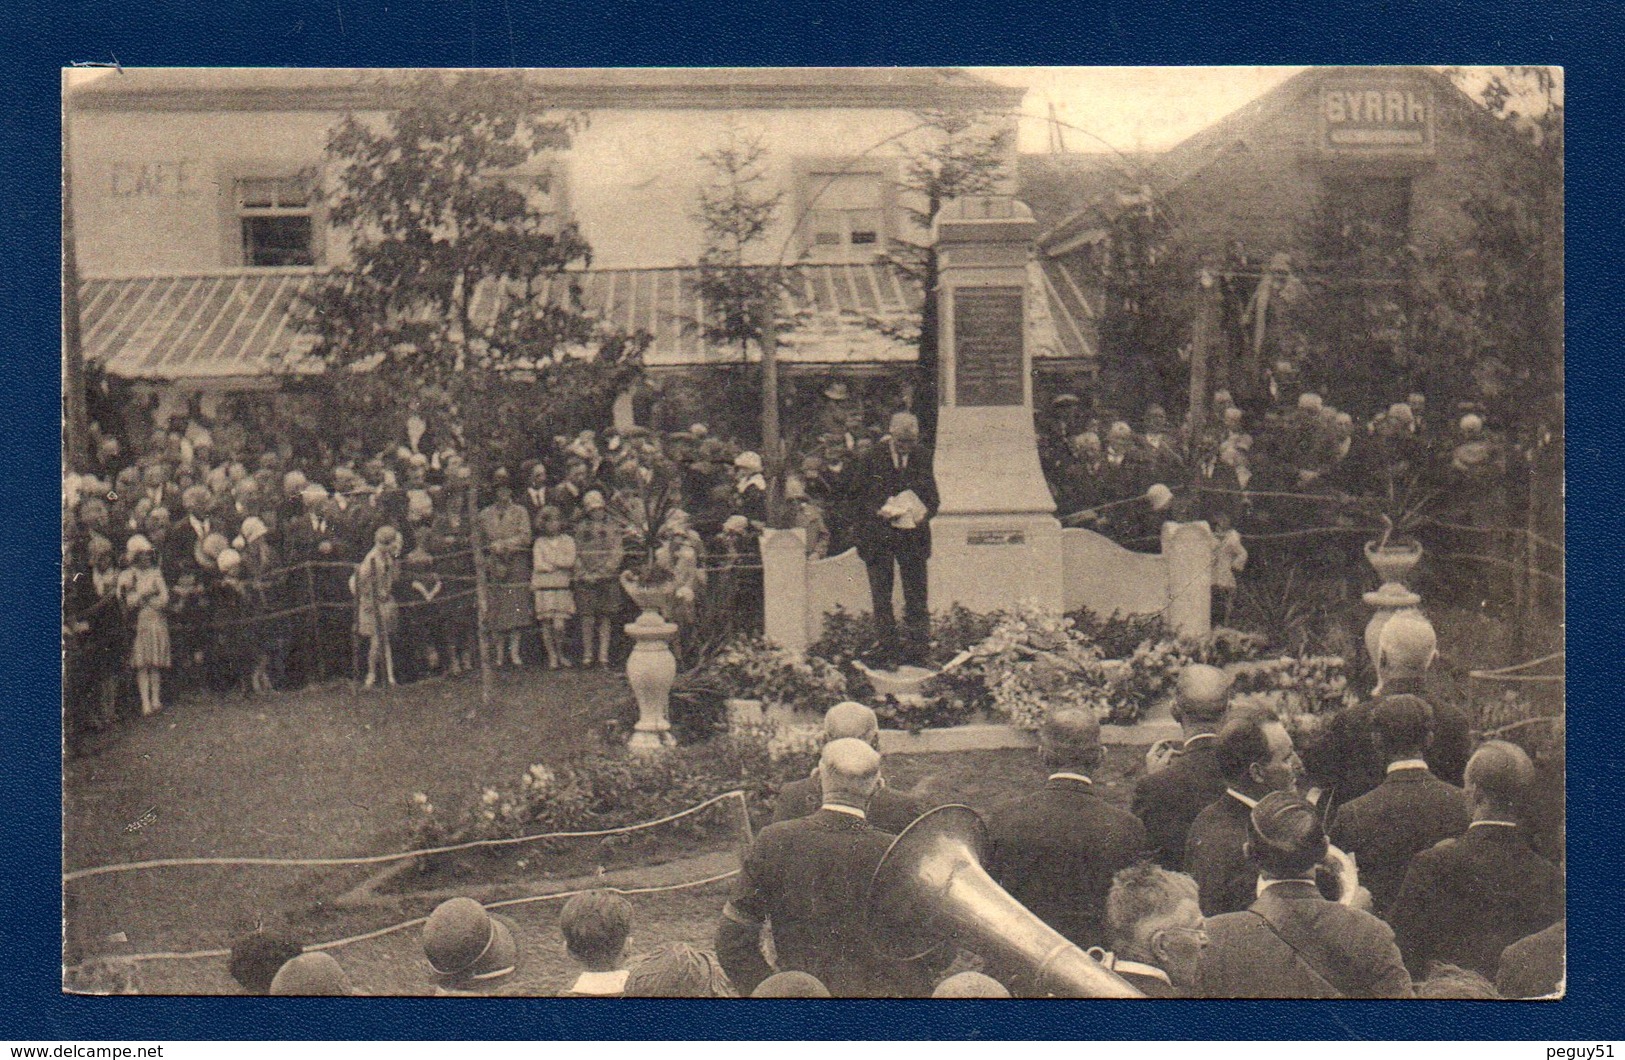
(931,887)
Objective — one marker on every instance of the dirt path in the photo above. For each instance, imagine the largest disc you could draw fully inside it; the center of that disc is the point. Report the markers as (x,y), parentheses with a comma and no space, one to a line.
(323,773)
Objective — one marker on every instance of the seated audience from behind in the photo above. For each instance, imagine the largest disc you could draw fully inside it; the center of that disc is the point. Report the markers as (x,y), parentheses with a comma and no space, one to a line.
(1409,811)
(1255,757)
(257,957)
(677,969)
(1450,983)
(1466,899)
(1154,922)
(1291,942)
(889,810)
(970,985)
(311,975)
(790,984)
(1534,965)
(597,928)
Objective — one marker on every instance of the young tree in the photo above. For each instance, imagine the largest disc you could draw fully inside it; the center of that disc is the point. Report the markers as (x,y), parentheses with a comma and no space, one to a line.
(735,210)
(962,151)
(459,298)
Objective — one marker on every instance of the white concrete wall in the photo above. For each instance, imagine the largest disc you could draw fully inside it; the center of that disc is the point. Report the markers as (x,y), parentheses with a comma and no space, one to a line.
(1097,573)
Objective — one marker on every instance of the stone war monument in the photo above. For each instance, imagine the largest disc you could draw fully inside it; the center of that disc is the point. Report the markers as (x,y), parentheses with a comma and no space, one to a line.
(995,542)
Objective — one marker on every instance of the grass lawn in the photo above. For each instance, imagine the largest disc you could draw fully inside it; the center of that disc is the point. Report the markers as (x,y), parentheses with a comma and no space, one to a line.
(312,794)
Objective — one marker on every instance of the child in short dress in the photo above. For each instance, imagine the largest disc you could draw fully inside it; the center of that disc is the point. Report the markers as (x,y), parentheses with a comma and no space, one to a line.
(146,595)
(554,563)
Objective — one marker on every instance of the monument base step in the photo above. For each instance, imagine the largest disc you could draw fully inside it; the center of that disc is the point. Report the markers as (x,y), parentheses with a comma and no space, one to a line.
(1000,737)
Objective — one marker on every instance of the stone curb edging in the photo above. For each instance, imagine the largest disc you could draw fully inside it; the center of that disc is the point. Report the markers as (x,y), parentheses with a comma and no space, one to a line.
(1000,737)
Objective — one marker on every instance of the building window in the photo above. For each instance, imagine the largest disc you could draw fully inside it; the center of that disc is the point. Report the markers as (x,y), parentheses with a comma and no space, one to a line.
(1370,214)
(844,214)
(277,218)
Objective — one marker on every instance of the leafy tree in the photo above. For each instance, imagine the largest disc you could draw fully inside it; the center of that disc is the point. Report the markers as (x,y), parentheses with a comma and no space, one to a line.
(459,299)
(960,152)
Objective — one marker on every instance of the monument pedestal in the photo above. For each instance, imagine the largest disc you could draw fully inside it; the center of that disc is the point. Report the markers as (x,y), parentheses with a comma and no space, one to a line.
(995,541)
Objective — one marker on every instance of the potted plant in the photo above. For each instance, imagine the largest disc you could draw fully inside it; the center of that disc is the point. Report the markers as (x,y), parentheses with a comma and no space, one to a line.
(641,513)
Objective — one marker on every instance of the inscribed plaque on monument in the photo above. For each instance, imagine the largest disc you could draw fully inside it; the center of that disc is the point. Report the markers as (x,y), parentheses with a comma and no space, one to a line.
(987,346)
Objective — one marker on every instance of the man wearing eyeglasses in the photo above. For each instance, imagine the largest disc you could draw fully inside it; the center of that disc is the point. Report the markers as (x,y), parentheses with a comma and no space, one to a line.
(1156,929)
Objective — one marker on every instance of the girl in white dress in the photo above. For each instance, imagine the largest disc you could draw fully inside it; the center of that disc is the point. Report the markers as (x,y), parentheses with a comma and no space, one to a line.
(554,562)
(145,594)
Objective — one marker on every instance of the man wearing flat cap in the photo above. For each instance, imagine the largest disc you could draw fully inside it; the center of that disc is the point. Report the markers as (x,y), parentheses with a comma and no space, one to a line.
(1292,942)
(808,878)
(889,810)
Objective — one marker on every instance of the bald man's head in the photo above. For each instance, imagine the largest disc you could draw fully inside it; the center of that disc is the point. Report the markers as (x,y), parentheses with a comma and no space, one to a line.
(1070,740)
(848,771)
(1498,777)
(1407,646)
(1202,695)
(851,721)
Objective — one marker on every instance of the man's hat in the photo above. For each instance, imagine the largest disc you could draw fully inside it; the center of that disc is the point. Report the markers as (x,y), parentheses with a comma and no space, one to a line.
(748,462)
(837,391)
(463,942)
(593,501)
(311,975)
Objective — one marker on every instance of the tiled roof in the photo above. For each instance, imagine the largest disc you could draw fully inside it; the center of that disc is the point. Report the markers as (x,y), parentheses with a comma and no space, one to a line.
(245,323)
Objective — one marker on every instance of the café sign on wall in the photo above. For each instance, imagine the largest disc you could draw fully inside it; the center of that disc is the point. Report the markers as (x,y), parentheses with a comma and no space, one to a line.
(1376,116)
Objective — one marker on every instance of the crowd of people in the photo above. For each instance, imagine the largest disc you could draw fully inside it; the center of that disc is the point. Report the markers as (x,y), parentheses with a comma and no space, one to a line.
(1298,464)
(1403,862)
(240,551)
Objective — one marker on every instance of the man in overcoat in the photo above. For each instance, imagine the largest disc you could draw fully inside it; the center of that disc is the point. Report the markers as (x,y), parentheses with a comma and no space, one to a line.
(892,540)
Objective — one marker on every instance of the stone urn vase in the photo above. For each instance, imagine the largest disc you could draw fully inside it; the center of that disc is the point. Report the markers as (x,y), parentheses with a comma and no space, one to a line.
(651,668)
(1392,562)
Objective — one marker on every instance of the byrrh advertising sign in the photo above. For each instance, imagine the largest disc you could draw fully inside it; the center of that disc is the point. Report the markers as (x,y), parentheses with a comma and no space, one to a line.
(1376,116)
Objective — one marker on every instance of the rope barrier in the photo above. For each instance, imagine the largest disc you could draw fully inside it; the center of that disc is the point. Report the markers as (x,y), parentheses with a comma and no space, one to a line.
(366,936)
(380,859)
(1555,656)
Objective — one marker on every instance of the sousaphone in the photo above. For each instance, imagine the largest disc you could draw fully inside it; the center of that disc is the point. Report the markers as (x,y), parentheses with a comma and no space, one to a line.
(930,888)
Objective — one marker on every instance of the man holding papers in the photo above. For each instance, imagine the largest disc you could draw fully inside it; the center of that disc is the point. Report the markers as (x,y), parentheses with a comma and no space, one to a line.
(895,497)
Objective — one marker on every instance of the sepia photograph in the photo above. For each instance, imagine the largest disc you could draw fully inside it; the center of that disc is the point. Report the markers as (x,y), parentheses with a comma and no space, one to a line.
(865,532)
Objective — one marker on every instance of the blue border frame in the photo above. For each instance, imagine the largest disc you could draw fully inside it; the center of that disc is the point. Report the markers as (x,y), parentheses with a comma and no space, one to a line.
(45,36)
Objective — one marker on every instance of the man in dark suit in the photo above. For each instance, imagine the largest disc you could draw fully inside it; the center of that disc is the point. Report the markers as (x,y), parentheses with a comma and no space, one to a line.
(1406,649)
(1255,757)
(1291,942)
(1534,966)
(808,878)
(1156,930)
(889,810)
(891,541)
(1168,800)
(1408,812)
(1467,899)
(1057,849)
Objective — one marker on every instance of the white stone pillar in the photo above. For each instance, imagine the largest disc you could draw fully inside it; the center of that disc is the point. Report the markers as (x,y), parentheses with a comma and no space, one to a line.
(784,588)
(1188,548)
